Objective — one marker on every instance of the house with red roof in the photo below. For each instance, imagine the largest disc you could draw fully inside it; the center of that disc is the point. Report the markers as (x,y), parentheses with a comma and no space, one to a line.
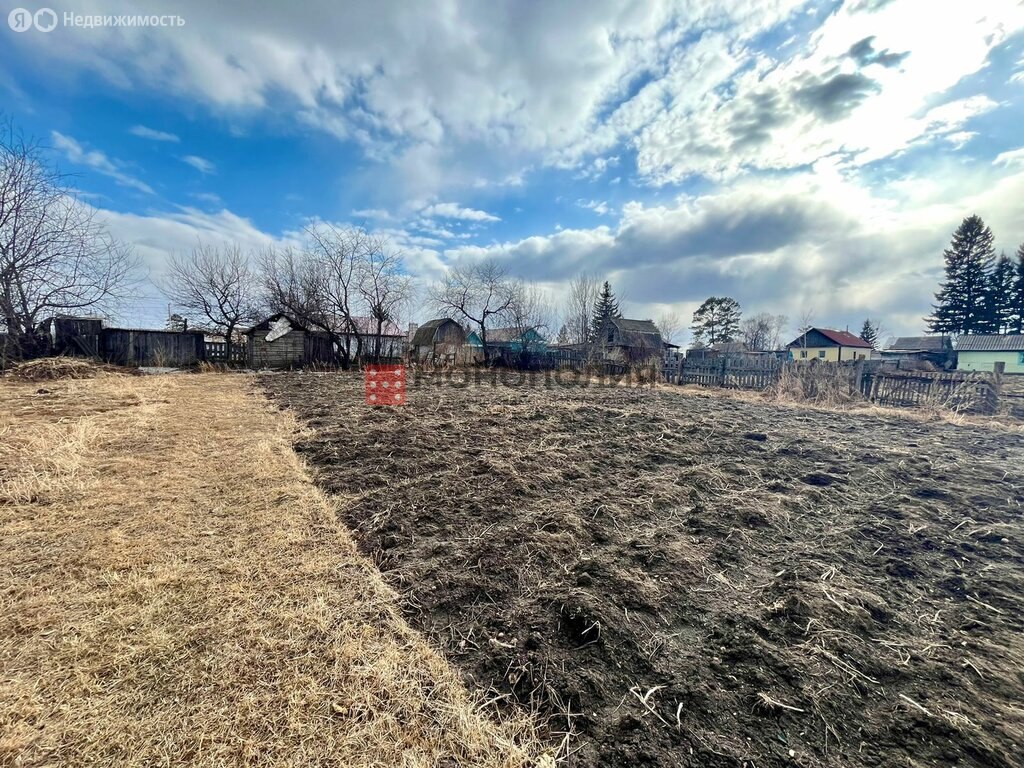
(827,345)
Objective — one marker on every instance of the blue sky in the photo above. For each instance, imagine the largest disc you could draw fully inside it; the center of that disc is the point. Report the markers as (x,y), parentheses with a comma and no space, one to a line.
(802,157)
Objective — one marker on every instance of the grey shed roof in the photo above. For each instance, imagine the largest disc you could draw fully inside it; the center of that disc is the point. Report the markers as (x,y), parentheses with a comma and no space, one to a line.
(424,335)
(985,343)
(636,326)
(919,343)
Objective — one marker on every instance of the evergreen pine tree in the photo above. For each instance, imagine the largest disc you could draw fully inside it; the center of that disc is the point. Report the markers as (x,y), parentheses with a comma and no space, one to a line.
(999,297)
(716,320)
(606,308)
(961,300)
(1016,313)
(869,333)
(563,334)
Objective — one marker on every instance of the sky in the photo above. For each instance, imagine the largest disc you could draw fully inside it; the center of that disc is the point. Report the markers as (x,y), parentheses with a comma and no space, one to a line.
(805,158)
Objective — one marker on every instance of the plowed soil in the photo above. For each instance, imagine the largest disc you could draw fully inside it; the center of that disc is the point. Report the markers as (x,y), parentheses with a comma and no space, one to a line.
(672,578)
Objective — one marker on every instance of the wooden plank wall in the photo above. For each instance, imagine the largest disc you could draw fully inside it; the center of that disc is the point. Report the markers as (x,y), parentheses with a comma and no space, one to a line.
(124,346)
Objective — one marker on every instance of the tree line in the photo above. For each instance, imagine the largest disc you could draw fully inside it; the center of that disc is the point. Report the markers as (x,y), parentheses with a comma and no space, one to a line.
(980,293)
(57,257)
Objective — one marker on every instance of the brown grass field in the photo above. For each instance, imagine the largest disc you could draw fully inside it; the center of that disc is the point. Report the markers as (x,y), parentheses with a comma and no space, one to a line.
(676,579)
(176,592)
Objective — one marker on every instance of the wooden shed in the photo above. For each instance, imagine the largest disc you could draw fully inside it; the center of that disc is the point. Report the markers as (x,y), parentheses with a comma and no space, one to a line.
(277,342)
(438,340)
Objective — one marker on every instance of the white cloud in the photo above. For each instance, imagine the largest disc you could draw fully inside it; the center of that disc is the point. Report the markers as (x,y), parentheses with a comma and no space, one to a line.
(1014,157)
(456,211)
(208,197)
(813,240)
(600,207)
(862,87)
(152,134)
(201,164)
(98,161)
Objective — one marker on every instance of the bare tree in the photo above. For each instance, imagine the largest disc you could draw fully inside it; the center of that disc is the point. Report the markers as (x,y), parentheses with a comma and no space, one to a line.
(762,332)
(341,277)
(218,285)
(531,309)
(477,293)
(334,262)
(669,323)
(583,293)
(384,288)
(56,256)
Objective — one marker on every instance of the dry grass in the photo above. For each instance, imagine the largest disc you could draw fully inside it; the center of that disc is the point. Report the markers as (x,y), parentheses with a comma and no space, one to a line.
(58,368)
(828,385)
(175,591)
(827,393)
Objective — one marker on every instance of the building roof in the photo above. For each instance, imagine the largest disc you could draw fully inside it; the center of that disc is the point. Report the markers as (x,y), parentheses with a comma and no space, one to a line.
(918,344)
(424,335)
(265,325)
(636,326)
(637,333)
(839,338)
(991,343)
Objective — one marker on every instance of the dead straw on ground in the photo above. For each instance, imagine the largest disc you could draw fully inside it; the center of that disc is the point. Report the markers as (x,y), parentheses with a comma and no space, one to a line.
(175,591)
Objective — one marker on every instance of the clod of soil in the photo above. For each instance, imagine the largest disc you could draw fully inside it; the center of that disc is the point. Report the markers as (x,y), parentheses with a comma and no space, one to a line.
(670,590)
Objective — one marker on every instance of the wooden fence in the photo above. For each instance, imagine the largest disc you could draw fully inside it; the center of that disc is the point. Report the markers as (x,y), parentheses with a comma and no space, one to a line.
(126,346)
(217,352)
(877,381)
(578,360)
(964,392)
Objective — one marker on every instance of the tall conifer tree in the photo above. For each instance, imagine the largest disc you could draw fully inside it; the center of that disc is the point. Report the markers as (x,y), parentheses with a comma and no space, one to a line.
(606,309)
(961,301)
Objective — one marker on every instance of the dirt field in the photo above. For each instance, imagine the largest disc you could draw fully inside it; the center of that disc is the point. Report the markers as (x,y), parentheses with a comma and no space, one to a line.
(681,579)
(175,591)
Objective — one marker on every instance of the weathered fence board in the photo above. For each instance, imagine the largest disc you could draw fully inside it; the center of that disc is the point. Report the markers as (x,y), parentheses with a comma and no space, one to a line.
(124,346)
(217,352)
(967,392)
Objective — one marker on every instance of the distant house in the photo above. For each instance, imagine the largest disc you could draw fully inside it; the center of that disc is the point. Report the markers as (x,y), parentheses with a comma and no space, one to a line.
(440,340)
(982,352)
(509,342)
(632,340)
(827,345)
(937,350)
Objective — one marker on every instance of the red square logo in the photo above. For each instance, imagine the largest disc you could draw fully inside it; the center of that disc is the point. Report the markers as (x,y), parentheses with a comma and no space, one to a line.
(385,385)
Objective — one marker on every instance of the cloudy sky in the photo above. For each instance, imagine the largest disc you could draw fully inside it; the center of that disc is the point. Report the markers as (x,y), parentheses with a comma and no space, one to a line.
(798,156)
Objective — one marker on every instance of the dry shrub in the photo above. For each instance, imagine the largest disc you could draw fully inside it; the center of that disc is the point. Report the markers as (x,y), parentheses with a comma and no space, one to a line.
(820,384)
(56,368)
(176,591)
(646,374)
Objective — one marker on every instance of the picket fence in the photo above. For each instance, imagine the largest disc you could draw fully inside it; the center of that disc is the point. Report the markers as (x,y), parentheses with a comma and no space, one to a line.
(876,381)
